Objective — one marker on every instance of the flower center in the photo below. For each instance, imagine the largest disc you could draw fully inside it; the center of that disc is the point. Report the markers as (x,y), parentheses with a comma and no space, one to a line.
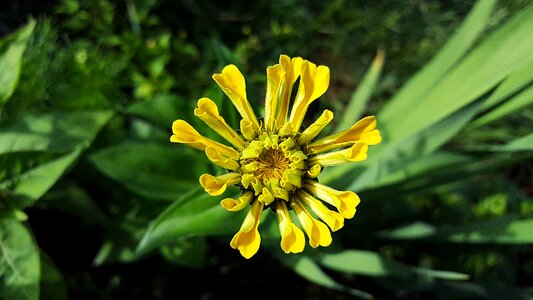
(271,165)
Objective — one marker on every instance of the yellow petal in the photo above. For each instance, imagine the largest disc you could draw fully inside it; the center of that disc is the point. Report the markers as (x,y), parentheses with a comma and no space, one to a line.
(275,79)
(247,130)
(266,196)
(231,204)
(318,232)
(314,171)
(314,129)
(185,134)
(357,152)
(292,237)
(251,179)
(207,111)
(292,68)
(215,186)
(362,131)
(247,240)
(233,85)
(218,159)
(345,202)
(334,220)
(254,149)
(314,82)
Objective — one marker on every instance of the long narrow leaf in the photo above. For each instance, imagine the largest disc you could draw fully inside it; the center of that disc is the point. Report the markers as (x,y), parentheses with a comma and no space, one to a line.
(422,83)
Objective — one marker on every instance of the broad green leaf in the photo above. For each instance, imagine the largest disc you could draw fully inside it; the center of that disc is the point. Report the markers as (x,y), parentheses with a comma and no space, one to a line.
(28,187)
(53,286)
(505,230)
(522,100)
(11,51)
(362,93)
(162,110)
(194,214)
(150,170)
(501,54)
(308,269)
(19,262)
(190,252)
(372,264)
(52,131)
(415,91)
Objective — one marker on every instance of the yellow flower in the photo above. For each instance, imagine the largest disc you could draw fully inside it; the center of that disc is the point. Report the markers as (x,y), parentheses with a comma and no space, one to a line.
(275,163)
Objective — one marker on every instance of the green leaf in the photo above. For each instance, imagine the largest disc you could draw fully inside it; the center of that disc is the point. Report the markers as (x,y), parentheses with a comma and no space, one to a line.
(19,262)
(53,286)
(415,91)
(372,264)
(362,94)
(52,131)
(505,230)
(190,252)
(522,100)
(150,170)
(31,185)
(524,143)
(510,46)
(308,269)
(11,51)
(193,214)
(162,110)
(392,157)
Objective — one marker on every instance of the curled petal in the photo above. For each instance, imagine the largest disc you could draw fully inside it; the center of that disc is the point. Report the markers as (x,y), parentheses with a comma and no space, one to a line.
(314,171)
(207,111)
(247,240)
(266,196)
(357,152)
(364,131)
(184,133)
(345,201)
(231,204)
(233,85)
(318,232)
(254,149)
(218,159)
(314,82)
(292,237)
(247,130)
(334,220)
(251,179)
(215,186)
(314,129)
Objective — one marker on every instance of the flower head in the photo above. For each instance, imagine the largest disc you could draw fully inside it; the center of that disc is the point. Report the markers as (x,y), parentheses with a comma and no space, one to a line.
(274,161)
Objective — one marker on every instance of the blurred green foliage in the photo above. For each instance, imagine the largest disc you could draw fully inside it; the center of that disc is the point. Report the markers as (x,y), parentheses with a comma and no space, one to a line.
(95,203)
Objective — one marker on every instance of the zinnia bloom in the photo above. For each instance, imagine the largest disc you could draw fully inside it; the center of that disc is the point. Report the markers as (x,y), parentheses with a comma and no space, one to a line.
(275,161)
